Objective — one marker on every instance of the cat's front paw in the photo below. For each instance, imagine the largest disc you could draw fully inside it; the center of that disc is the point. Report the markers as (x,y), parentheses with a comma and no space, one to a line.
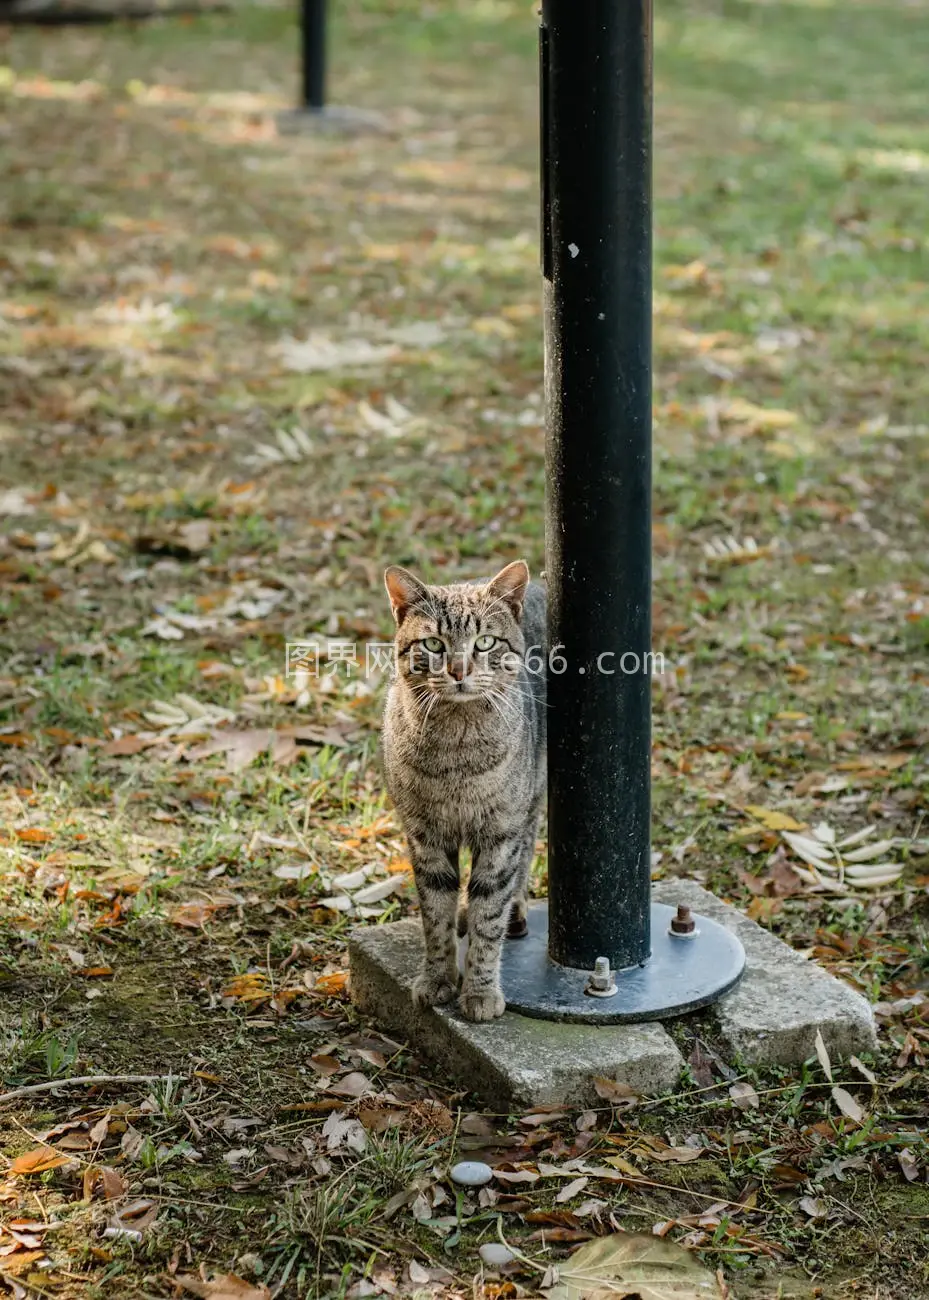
(486,1005)
(433,990)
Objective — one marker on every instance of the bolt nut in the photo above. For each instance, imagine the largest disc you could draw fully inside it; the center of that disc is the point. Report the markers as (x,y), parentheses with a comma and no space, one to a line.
(683,924)
(600,983)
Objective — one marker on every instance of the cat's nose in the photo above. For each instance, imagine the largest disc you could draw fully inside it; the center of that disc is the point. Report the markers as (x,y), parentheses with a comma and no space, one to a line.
(459,669)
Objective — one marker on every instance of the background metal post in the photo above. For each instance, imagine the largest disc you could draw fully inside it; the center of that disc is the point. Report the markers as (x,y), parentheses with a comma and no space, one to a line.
(597,134)
(314,115)
(601,951)
(313,44)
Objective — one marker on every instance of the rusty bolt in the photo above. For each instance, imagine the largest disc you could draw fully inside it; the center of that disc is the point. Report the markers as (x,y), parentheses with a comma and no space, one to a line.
(684,922)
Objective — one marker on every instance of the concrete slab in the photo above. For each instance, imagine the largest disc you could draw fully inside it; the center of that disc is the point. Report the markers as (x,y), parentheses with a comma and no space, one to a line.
(773,1015)
(771,1018)
(513,1062)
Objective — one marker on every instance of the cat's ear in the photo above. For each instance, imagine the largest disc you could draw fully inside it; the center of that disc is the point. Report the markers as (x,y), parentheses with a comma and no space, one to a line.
(404,591)
(510,585)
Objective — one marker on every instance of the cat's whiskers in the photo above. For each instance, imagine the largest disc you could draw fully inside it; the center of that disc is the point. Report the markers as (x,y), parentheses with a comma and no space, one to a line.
(506,708)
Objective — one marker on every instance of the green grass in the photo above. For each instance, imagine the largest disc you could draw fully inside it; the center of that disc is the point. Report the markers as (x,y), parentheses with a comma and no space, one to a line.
(155,255)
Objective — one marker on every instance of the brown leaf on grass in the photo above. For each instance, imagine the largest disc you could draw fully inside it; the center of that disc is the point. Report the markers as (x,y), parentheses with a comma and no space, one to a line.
(909,1165)
(774,820)
(195,914)
(19,1262)
(100,1130)
(744,1096)
(555,1218)
(572,1189)
(477,1125)
(124,746)
(575,1234)
(539,1118)
(678,1155)
(633,1264)
(378,1118)
(223,1286)
(57,1130)
(823,1054)
(787,1176)
(242,747)
(34,835)
(517,1175)
(252,987)
(131,1142)
(876,762)
(377,1059)
(351,1085)
(74,1142)
(779,880)
(324,1064)
(133,1220)
(102,1181)
(848,1105)
(38,1161)
(334,985)
(624,1167)
(616,1093)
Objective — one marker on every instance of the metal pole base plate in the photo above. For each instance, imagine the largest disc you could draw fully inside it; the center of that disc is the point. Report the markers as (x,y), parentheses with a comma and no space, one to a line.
(683,974)
(332,120)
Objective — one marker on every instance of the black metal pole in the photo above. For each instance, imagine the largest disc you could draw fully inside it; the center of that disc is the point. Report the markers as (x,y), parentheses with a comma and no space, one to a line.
(596,145)
(314,54)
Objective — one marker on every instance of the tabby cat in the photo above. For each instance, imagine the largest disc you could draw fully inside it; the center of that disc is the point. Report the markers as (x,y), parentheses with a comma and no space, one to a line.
(464,758)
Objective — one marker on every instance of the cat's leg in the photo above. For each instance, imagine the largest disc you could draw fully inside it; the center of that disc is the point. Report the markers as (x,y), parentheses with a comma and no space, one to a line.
(436,874)
(490,893)
(518,927)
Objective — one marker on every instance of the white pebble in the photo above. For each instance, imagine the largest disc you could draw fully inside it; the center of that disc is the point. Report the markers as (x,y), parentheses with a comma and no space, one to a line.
(471,1173)
(495,1255)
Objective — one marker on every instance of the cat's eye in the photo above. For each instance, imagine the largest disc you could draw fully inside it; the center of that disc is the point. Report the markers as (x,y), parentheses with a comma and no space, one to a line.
(434,645)
(485,643)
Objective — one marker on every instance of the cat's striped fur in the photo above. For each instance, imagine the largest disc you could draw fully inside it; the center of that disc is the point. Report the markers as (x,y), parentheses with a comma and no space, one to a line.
(464,757)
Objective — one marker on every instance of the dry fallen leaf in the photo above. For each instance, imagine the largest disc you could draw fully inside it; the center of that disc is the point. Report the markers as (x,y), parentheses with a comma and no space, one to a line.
(38,1161)
(611,1090)
(774,820)
(106,1182)
(194,915)
(334,985)
(34,835)
(633,1264)
(324,1064)
(21,1262)
(909,1165)
(572,1189)
(848,1105)
(351,1085)
(223,1286)
(418,1275)
(744,1096)
(823,1055)
(680,1155)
